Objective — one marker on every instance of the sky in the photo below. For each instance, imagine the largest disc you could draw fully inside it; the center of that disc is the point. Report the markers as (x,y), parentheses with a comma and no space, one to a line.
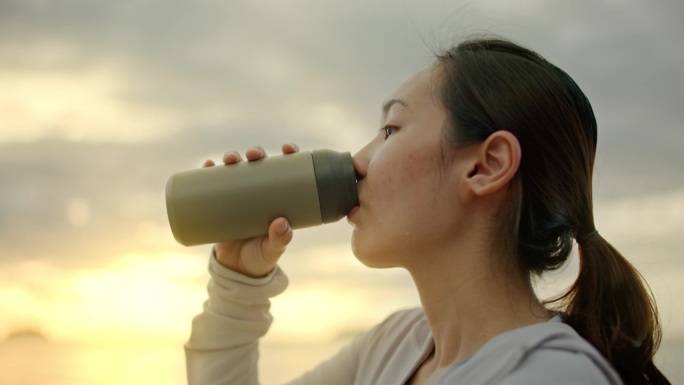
(101,101)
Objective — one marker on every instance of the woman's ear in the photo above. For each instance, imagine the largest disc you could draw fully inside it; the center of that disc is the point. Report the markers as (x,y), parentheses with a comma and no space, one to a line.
(497,162)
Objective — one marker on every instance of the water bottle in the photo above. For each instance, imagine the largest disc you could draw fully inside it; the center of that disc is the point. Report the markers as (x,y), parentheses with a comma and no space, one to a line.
(236,201)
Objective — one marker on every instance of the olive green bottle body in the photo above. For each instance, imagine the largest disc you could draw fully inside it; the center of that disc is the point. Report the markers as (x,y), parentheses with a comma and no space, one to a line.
(220,203)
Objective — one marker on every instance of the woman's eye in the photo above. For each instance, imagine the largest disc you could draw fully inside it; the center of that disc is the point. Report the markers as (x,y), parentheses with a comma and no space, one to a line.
(388,131)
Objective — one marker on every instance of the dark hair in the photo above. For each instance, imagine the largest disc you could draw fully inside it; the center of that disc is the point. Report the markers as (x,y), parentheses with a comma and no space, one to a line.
(488,85)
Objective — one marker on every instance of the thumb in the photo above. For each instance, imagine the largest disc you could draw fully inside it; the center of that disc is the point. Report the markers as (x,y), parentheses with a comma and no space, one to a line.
(279,236)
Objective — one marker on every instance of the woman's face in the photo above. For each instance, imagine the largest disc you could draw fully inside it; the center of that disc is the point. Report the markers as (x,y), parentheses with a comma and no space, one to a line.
(408,203)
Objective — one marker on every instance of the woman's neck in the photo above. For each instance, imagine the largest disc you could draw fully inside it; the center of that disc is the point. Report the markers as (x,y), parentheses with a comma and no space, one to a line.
(470,297)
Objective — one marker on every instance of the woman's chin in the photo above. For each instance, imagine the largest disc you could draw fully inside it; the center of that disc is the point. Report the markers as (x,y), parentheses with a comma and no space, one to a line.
(369,254)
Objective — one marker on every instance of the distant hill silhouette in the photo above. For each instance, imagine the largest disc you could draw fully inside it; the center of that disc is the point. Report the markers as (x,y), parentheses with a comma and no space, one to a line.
(26,335)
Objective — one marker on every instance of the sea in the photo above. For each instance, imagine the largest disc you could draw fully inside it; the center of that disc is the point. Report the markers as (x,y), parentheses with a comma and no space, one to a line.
(33,362)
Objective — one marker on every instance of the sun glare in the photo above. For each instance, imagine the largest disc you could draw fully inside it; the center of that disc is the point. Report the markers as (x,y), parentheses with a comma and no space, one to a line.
(138,296)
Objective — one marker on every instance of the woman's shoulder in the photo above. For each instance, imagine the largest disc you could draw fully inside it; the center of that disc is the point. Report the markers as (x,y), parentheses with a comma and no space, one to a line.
(548,352)
(387,353)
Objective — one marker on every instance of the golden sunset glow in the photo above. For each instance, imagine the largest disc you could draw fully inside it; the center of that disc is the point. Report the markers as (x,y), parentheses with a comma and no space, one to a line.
(154,296)
(137,296)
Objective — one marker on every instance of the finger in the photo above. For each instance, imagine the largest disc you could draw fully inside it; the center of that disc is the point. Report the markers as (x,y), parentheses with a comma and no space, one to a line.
(289,148)
(255,153)
(208,163)
(231,157)
(279,236)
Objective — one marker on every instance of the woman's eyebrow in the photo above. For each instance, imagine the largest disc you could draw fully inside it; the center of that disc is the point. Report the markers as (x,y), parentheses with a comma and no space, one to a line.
(388,104)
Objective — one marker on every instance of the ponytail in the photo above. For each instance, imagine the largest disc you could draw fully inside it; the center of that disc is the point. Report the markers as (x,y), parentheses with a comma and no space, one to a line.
(610,306)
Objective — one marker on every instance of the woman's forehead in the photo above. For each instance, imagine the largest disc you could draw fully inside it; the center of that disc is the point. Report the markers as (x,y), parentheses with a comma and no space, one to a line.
(416,91)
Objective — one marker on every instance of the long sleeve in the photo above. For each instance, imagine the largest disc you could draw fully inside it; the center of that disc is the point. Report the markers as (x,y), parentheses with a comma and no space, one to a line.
(223,345)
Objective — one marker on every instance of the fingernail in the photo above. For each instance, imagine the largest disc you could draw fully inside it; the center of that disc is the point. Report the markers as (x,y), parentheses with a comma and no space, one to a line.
(282,228)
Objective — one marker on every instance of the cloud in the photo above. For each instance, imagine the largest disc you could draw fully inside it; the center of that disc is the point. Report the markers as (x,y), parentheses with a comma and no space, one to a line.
(657,218)
(78,106)
(103,101)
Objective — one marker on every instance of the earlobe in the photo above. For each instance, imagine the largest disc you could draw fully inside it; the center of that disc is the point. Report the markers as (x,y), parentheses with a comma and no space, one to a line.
(498,160)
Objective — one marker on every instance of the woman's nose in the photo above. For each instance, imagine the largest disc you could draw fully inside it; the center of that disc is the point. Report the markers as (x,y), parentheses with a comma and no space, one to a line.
(360,161)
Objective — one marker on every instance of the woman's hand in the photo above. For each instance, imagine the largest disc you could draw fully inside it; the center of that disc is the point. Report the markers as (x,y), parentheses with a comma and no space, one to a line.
(258,256)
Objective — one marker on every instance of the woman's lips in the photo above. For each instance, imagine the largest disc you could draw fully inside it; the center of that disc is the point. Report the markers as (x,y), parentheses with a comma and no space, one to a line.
(352,212)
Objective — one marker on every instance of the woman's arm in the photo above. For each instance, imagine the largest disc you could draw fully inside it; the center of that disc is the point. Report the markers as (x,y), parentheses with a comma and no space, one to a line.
(223,345)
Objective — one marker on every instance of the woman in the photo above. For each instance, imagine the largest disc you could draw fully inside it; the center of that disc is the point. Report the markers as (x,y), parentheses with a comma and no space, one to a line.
(479,179)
